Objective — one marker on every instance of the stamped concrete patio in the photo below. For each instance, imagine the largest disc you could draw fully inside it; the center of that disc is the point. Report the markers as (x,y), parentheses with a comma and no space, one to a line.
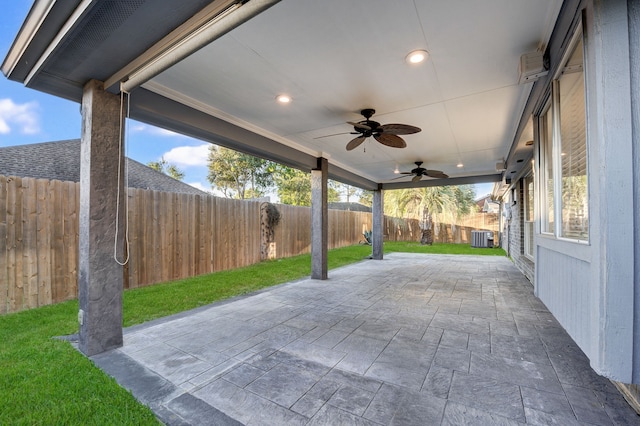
(410,340)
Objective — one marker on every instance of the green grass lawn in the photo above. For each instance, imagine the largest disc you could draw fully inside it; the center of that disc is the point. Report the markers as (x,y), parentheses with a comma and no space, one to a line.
(44,381)
(440,248)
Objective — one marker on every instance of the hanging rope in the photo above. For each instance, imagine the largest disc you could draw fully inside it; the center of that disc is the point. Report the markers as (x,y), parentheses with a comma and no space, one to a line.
(122,152)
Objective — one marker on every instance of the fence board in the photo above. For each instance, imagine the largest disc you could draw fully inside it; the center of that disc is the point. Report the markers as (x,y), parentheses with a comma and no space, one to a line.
(43,243)
(55,196)
(157,236)
(3,246)
(30,242)
(72,230)
(15,273)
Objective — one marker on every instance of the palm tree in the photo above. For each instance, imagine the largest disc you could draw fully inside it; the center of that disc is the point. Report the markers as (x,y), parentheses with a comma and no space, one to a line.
(445,203)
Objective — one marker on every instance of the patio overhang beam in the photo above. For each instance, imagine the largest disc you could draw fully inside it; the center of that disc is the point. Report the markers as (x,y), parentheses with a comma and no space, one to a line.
(467,180)
(157,110)
(43,23)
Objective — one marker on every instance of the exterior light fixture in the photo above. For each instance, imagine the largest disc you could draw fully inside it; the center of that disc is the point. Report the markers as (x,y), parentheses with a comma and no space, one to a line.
(459,165)
(417,56)
(283,99)
(396,171)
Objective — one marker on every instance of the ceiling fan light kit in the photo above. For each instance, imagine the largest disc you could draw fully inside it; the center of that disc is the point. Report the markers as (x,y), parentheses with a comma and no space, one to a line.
(386,134)
(420,171)
(416,57)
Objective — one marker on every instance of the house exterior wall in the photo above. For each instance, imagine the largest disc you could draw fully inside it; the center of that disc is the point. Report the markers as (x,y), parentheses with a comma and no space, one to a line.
(513,231)
(516,233)
(515,245)
(633,16)
(590,287)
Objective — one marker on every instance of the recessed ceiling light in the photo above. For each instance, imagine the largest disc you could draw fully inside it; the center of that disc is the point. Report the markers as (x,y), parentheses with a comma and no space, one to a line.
(528,143)
(283,99)
(417,56)
(396,171)
(459,165)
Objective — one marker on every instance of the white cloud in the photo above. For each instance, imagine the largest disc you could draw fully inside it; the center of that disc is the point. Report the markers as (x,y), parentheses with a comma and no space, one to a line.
(201,187)
(188,155)
(152,130)
(24,116)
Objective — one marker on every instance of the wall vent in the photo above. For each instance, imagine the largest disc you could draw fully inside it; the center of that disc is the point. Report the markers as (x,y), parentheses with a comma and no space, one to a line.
(531,67)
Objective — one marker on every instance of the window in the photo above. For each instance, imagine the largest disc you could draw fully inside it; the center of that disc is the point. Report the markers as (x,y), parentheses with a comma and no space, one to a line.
(546,173)
(573,148)
(563,153)
(528,217)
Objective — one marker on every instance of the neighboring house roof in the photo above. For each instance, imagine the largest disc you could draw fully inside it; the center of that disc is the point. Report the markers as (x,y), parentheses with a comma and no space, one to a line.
(61,161)
(353,207)
(487,205)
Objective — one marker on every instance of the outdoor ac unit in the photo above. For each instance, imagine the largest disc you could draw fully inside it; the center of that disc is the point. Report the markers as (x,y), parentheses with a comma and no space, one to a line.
(481,239)
(531,67)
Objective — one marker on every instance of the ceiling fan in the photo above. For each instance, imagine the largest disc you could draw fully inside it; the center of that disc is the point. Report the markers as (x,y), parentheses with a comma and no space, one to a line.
(386,134)
(419,171)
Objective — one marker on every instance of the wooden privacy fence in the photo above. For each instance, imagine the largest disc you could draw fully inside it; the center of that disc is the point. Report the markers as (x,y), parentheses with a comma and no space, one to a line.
(172,236)
(38,242)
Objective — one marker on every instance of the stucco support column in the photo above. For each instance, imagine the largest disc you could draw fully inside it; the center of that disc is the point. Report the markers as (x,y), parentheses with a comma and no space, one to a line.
(100,277)
(377,223)
(319,220)
(633,15)
(611,209)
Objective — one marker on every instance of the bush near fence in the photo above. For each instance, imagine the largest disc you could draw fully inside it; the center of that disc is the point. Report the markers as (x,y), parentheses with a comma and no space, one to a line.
(172,236)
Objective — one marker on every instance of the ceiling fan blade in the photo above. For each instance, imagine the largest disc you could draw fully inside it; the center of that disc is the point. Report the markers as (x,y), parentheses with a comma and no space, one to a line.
(355,142)
(359,125)
(416,178)
(437,174)
(399,129)
(390,140)
(334,134)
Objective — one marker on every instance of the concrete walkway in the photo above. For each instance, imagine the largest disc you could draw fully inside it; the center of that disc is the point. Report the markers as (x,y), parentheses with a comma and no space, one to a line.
(410,340)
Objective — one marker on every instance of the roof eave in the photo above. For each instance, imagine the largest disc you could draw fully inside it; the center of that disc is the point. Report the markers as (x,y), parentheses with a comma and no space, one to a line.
(40,27)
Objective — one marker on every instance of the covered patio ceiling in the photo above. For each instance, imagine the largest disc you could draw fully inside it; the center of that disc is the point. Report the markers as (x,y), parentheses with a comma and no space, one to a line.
(333,58)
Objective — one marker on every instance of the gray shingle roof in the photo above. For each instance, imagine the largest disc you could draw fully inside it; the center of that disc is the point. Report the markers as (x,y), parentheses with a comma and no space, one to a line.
(61,161)
(354,207)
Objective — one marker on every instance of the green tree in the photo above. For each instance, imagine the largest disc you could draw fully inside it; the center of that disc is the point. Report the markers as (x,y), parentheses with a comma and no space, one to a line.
(366,198)
(238,175)
(163,166)
(445,203)
(350,193)
(294,186)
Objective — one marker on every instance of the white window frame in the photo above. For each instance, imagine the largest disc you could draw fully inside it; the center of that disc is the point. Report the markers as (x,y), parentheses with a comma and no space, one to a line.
(552,106)
(529,236)
(542,175)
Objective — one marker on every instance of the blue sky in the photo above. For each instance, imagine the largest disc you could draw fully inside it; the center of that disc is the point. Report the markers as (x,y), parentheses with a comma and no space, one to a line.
(28,116)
